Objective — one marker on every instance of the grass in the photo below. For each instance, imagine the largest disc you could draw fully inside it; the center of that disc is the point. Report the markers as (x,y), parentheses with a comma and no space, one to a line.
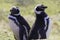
(27,11)
(5,32)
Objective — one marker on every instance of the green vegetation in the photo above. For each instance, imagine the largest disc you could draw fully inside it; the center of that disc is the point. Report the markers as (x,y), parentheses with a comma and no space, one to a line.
(27,11)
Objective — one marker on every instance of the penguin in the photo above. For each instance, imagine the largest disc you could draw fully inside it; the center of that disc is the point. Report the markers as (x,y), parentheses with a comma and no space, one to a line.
(18,24)
(42,24)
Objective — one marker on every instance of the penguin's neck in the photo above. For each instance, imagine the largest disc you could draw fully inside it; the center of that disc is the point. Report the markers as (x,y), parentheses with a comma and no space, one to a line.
(38,16)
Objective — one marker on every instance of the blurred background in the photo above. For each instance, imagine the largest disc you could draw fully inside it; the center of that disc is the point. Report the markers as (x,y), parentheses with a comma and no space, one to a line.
(27,11)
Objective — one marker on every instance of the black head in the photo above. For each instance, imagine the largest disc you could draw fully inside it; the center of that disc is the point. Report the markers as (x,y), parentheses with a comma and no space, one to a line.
(40,7)
(14,10)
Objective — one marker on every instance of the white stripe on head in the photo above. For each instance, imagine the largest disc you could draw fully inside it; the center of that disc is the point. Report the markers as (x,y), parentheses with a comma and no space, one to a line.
(14,7)
(37,6)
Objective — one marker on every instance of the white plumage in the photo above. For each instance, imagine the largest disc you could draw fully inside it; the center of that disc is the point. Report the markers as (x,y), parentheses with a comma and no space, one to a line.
(14,28)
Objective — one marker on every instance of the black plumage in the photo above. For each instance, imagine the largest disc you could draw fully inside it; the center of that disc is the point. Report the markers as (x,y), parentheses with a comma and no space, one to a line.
(41,24)
(23,26)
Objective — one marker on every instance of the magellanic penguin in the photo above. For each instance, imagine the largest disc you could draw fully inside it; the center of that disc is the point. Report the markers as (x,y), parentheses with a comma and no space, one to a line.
(41,27)
(18,24)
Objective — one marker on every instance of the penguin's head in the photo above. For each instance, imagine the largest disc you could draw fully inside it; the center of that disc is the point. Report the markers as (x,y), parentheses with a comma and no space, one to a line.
(39,8)
(14,10)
